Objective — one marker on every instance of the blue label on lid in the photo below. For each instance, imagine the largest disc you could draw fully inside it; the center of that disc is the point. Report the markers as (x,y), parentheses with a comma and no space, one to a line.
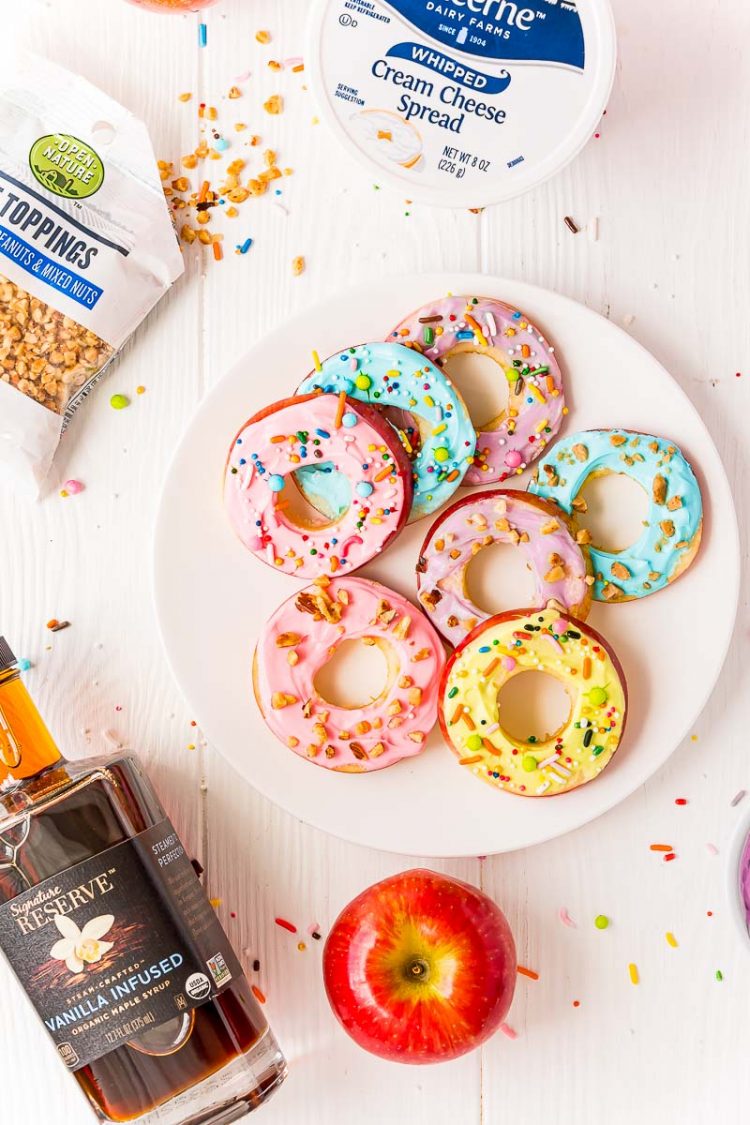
(502,30)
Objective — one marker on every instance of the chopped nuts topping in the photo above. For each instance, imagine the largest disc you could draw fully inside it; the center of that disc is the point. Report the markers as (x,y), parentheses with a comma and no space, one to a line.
(617,439)
(674,503)
(288,640)
(659,489)
(581,452)
(620,570)
(610,591)
(281,699)
(667,527)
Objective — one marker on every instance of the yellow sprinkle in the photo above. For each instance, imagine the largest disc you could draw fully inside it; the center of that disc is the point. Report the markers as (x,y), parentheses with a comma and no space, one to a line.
(263,36)
(693,737)
(542,426)
(301,946)
(439,429)
(140,390)
(215,902)
(535,392)
(429,400)
(671,940)
(191,746)
(633,970)
(64,492)
(184,97)
(316,361)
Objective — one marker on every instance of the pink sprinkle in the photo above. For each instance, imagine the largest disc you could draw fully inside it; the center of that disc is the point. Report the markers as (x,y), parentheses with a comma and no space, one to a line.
(354,363)
(513,459)
(508,663)
(73,487)
(559,626)
(243,77)
(350,542)
(508,1031)
(555,644)
(713,850)
(566,919)
(313,928)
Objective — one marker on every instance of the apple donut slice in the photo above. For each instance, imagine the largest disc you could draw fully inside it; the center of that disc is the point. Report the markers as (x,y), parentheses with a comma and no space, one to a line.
(544,641)
(351,438)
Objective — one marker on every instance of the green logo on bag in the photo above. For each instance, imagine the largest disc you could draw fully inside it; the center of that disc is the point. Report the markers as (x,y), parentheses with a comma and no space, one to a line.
(66,166)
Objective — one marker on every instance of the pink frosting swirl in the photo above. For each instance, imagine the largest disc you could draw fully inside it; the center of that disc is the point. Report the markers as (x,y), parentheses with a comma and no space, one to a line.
(560,565)
(507,444)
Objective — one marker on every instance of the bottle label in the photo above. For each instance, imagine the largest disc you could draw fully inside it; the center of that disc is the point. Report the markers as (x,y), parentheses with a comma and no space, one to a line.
(467,100)
(119,949)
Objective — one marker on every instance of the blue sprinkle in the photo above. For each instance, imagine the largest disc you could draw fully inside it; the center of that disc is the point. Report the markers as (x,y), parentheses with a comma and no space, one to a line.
(364,488)
(303,451)
(322,433)
(349,420)
(276,482)
(254,456)
(239,441)
(221,143)
(202,35)
(243,249)
(485,648)
(243,460)
(516,316)
(257,523)
(24,665)
(464,335)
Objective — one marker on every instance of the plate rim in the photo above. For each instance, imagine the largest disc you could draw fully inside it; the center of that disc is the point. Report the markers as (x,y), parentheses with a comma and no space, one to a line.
(469,281)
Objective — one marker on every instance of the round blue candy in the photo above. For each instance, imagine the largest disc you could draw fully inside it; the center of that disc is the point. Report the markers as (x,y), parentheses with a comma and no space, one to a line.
(349,420)
(364,488)
(276,482)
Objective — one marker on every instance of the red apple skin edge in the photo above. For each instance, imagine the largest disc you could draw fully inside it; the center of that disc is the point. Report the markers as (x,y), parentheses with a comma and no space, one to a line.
(420,968)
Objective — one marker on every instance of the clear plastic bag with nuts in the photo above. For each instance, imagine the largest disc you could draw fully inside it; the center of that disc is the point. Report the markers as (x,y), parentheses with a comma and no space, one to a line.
(43,353)
(87,248)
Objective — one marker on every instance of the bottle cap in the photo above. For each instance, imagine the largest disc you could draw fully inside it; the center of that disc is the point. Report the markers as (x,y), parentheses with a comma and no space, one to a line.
(462,103)
(7,659)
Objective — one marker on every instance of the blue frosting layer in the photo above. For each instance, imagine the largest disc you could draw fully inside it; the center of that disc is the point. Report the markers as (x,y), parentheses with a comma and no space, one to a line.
(388,374)
(675,506)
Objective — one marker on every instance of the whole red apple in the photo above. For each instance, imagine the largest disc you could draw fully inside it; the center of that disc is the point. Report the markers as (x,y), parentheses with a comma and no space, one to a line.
(420,968)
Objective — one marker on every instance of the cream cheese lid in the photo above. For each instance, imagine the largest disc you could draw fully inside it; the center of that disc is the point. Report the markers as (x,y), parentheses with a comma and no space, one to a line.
(462,103)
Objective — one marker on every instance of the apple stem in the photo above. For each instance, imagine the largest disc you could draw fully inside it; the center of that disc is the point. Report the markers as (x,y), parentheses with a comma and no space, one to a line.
(417,969)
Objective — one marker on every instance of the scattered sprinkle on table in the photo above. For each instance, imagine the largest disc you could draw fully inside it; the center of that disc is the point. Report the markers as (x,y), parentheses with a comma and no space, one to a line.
(565,918)
(301,946)
(571,224)
(215,902)
(202,35)
(709,913)
(601,921)
(719,975)
(256,965)
(671,939)
(286,925)
(660,847)
(712,849)
(633,971)
(55,626)
(670,856)
(263,36)
(738,797)
(245,246)
(680,800)
(140,390)
(576,1003)
(524,972)
(119,402)
(71,488)
(24,664)
(259,996)
(298,265)
(508,1031)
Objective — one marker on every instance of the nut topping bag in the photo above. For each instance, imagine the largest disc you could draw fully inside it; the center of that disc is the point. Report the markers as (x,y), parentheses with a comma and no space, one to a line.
(87,248)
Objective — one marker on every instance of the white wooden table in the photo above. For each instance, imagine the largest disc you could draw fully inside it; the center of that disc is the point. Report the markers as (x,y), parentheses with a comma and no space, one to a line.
(669,179)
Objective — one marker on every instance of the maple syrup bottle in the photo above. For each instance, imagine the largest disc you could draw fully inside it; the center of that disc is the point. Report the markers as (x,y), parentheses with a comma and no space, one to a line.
(109,931)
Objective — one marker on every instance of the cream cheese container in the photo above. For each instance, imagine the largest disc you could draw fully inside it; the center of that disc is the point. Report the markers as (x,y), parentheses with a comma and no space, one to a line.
(462,103)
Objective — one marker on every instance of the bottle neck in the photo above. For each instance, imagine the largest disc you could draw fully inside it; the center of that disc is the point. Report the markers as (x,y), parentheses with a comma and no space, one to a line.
(26,746)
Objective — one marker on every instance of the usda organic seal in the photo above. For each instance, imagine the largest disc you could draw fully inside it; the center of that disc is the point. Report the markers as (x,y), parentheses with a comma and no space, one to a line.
(462,102)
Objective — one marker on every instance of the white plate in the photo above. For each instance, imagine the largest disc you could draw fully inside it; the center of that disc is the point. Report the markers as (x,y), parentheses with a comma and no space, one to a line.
(212,596)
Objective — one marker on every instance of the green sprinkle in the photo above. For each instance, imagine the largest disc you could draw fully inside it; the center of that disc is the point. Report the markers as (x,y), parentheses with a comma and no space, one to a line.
(119,402)
(428,335)
(719,975)
(597,751)
(601,921)
(529,763)
(452,692)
